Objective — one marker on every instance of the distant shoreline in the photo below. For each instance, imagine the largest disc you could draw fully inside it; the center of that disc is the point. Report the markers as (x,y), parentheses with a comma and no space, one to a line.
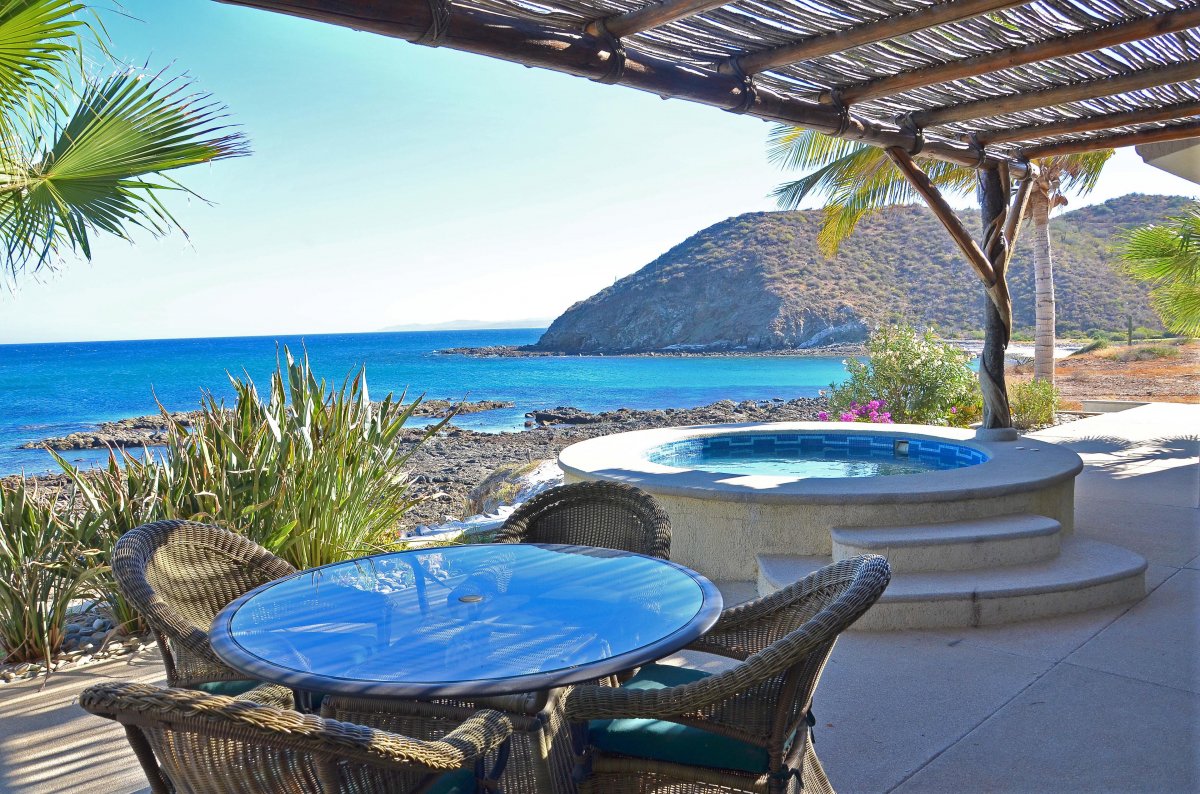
(1062,347)
(521,351)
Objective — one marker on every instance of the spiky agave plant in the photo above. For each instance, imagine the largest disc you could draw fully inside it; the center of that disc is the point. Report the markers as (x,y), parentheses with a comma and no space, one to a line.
(311,472)
(46,562)
(81,154)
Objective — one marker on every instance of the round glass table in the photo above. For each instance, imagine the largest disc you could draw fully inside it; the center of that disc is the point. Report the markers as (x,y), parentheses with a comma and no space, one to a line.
(465,620)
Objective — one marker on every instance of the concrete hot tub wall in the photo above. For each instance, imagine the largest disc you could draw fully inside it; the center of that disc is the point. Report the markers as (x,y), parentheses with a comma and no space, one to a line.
(722,522)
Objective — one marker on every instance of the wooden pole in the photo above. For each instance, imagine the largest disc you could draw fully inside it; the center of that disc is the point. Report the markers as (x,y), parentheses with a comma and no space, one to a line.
(1012,227)
(1084,41)
(944,213)
(881,30)
(1174,132)
(993,206)
(534,43)
(1108,121)
(990,262)
(1075,92)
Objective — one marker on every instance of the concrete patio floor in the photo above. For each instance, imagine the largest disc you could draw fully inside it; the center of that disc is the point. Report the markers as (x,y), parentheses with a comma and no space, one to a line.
(1104,701)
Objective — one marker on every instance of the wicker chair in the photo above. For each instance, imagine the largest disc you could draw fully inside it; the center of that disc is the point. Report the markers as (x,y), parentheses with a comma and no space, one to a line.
(189,742)
(541,756)
(179,575)
(747,729)
(605,514)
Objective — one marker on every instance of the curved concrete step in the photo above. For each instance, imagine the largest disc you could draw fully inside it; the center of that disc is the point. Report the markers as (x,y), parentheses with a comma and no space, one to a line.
(1087,575)
(956,545)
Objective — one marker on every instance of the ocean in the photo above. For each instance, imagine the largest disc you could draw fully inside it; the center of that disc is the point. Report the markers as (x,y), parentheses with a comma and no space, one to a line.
(58,388)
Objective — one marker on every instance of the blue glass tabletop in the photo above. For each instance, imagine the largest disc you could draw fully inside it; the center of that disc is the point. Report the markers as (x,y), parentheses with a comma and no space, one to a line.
(465,620)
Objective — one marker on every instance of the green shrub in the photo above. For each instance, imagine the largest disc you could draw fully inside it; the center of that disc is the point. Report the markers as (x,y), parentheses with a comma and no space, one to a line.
(1033,403)
(921,379)
(45,564)
(312,474)
(1145,353)
(1100,344)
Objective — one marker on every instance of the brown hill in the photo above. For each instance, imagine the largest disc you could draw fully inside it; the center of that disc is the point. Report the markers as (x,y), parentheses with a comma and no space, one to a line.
(757,282)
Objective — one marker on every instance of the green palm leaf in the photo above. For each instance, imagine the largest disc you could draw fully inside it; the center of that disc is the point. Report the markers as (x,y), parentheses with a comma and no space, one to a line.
(854,177)
(37,39)
(1167,256)
(95,175)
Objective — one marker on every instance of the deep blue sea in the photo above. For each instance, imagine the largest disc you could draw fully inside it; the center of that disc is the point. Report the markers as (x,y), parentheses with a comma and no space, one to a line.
(54,389)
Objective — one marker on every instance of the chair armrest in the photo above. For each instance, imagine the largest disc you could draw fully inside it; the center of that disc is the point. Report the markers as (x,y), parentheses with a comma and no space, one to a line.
(671,703)
(479,735)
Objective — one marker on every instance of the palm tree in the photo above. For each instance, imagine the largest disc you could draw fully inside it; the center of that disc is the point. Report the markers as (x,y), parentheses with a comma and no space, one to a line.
(856,178)
(1168,256)
(80,154)
(1057,176)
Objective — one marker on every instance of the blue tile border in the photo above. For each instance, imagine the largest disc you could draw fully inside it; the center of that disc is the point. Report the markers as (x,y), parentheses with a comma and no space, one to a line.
(940,454)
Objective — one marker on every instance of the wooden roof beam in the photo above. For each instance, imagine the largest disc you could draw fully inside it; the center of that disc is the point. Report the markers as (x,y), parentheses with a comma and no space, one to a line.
(870,33)
(1108,121)
(651,16)
(1059,95)
(534,43)
(1074,44)
(1174,132)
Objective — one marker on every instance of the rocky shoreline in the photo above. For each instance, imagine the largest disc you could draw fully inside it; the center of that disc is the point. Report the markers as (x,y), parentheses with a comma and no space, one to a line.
(448,466)
(527,351)
(445,468)
(151,430)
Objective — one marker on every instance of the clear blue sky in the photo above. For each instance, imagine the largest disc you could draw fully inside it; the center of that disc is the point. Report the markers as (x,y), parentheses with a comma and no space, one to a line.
(394,184)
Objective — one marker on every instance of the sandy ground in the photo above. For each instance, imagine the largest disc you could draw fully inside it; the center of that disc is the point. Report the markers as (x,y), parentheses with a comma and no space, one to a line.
(1122,373)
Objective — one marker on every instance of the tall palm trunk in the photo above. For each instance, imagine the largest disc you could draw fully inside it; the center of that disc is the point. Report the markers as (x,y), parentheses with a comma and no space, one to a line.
(1043,280)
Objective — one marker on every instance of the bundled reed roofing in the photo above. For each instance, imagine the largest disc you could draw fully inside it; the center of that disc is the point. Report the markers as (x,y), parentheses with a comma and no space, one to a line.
(978,82)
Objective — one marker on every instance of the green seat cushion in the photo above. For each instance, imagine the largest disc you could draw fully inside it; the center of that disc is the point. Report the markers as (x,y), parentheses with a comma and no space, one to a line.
(669,741)
(460,781)
(228,688)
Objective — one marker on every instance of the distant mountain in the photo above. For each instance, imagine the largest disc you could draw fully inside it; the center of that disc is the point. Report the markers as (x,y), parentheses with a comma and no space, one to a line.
(471,325)
(758,282)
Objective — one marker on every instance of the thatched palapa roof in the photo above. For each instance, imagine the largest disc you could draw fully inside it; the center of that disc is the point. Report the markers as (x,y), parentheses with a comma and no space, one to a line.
(977,82)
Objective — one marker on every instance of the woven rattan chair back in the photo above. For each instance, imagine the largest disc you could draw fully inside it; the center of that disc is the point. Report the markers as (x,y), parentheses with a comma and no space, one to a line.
(189,742)
(781,644)
(540,756)
(179,575)
(604,514)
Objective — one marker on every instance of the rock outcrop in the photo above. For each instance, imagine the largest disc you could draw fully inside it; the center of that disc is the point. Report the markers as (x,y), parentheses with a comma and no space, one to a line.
(757,282)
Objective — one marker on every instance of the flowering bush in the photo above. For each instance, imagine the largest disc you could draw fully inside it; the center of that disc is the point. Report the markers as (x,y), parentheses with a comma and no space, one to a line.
(868,412)
(918,378)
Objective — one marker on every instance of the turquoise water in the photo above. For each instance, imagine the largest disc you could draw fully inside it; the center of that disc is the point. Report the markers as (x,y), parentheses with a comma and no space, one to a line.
(54,389)
(815,455)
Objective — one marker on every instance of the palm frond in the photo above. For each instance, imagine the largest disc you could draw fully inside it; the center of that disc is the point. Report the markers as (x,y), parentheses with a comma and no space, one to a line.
(854,177)
(95,176)
(1167,256)
(825,179)
(1075,173)
(38,38)
(793,148)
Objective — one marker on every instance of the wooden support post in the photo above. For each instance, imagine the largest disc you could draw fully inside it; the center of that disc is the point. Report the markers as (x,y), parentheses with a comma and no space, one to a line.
(944,213)
(990,262)
(1012,228)
(993,206)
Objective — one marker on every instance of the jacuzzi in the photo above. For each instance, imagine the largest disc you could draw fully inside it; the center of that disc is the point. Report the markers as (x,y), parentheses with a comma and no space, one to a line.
(737,491)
